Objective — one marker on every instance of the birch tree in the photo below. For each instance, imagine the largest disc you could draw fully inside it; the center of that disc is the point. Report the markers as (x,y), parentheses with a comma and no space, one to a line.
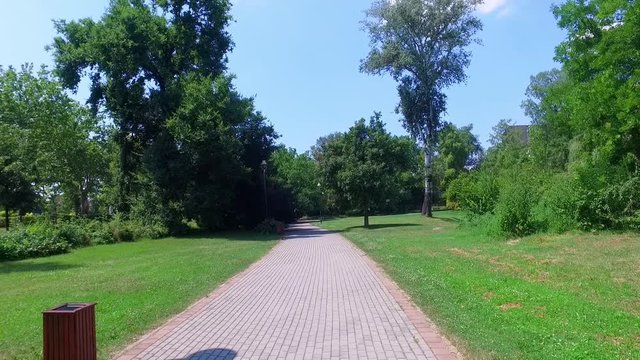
(423,45)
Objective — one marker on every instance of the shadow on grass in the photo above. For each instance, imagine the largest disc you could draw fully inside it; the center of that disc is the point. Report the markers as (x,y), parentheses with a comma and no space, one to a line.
(450,219)
(229,235)
(380,226)
(16,266)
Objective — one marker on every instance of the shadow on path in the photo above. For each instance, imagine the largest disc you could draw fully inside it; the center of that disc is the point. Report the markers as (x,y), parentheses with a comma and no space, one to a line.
(212,354)
(295,232)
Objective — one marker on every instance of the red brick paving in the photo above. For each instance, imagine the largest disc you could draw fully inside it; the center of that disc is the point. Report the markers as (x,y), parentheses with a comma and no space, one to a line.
(314,296)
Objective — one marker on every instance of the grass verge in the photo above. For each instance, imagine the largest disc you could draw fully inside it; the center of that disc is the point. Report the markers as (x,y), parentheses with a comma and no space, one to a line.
(572,296)
(137,286)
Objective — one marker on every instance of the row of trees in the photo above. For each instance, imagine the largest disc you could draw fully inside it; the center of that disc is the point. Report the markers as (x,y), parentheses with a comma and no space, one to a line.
(580,168)
(577,166)
(165,137)
(366,170)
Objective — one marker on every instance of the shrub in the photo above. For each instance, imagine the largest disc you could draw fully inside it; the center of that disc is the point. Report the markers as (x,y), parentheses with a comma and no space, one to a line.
(475,193)
(557,209)
(514,210)
(21,244)
(73,233)
(103,236)
(122,233)
(608,196)
(270,226)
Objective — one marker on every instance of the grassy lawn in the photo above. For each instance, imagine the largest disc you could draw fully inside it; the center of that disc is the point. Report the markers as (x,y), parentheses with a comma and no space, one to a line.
(573,296)
(136,285)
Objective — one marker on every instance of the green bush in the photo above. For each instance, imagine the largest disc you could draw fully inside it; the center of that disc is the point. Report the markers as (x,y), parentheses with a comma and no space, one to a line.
(132,230)
(123,235)
(475,193)
(44,238)
(103,236)
(557,209)
(514,210)
(608,196)
(17,220)
(73,233)
(22,244)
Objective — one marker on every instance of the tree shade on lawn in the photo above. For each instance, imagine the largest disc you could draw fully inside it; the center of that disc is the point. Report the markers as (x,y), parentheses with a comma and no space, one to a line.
(136,285)
(572,296)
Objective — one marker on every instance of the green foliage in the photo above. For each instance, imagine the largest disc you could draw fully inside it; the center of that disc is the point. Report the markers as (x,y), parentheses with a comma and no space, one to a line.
(49,140)
(360,167)
(458,152)
(187,145)
(599,57)
(514,209)
(300,173)
(608,197)
(476,193)
(23,244)
(557,211)
(148,62)
(44,238)
(551,133)
(131,230)
(73,234)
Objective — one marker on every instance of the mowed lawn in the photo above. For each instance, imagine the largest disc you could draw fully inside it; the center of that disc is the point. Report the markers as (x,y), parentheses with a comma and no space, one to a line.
(573,296)
(136,285)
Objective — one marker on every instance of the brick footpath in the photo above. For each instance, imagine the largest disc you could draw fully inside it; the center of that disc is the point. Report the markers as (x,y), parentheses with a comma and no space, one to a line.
(314,296)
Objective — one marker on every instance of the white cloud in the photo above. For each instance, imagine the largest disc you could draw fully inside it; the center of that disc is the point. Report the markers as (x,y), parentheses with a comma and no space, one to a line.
(501,7)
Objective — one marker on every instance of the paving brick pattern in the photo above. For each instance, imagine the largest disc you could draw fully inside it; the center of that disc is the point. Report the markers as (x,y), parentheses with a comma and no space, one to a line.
(314,296)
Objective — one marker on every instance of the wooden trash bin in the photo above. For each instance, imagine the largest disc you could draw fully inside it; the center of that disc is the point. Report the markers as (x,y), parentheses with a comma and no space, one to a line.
(70,332)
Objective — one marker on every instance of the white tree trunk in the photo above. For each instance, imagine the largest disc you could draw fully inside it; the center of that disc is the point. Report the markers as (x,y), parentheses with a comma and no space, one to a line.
(427,204)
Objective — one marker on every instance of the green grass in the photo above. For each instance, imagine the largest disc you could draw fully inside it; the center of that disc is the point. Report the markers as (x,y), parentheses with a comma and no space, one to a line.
(572,296)
(136,285)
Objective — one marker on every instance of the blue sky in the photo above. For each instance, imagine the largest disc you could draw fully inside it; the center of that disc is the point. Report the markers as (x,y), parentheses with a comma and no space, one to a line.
(300,60)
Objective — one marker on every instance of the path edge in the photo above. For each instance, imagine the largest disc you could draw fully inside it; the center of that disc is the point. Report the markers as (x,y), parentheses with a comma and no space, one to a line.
(441,347)
(143,342)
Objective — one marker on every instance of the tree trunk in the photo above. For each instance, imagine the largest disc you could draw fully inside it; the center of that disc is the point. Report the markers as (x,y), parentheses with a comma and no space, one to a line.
(366,217)
(427,203)
(6,218)
(125,177)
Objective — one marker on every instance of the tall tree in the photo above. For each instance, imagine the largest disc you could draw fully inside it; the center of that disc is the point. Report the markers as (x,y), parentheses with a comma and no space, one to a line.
(56,139)
(546,104)
(138,58)
(600,58)
(423,45)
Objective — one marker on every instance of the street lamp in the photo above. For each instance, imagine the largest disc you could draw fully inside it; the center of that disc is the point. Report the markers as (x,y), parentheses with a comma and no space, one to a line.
(320,202)
(263,166)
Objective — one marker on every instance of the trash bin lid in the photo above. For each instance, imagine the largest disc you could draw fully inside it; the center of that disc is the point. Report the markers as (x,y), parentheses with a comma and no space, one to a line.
(69,307)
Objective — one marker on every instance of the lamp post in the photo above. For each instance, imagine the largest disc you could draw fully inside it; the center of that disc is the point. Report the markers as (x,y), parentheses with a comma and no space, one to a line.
(320,202)
(263,166)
